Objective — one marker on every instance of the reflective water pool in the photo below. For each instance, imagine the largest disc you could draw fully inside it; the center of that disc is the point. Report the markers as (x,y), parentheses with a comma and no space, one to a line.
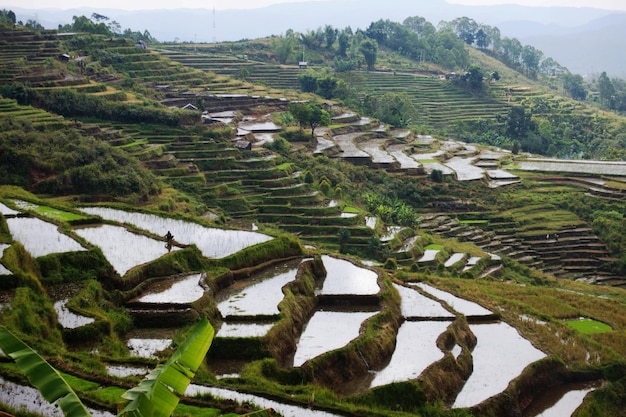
(416,349)
(122,371)
(213,242)
(287,410)
(123,249)
(3,270)
(28,398)
(500,356)
(459,305)
(6,211)
(182,290)
(68,319)
(344,277)
(41,238)
(259,295)
(326,331)
(414,304)
(244,329)
(565,404)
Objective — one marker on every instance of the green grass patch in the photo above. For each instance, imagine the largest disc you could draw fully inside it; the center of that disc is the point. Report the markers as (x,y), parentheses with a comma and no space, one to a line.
(57,214)
(588,326)
(349,209)
(434,246)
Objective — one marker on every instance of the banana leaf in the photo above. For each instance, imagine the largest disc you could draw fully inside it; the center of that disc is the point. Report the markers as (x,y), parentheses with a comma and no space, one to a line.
(42,375)
(158,394)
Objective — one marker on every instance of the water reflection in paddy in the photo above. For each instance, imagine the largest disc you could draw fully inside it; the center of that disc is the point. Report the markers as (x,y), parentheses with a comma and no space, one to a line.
(183,290)
(564,406)
(262,294)
(460,305)
(3,270)
(68,319)
(415,304)
(244,329)
(123,371)
(26,398)
(500,356)
(41,238)
(213,242)
(123,249)
(326,331)
(287,410)
(416,349)
(6,211)
(344,277)
(147,348)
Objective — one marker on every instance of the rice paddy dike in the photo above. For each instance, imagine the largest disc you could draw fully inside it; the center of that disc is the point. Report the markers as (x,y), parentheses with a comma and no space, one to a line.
(517,242)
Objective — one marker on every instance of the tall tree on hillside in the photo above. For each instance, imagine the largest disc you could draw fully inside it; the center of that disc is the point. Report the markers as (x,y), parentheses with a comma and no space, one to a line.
(606,90)
(573,85)
(420,26)
(309,114)
(369,49)
(7,18)
(396,109)
(531,58)
(343,39)
(331,36)
(283,48)
(482,39)
(474,78)
(511,51)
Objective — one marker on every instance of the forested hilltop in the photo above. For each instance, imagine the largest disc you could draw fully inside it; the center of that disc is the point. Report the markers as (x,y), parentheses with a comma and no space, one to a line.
(443,156)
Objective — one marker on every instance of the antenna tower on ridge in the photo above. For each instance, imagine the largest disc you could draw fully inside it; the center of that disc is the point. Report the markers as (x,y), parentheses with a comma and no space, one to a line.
(214,40)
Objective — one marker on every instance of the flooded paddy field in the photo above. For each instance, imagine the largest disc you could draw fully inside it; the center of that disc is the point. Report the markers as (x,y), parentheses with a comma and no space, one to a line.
(123,249)
(41,238)
(415,304)
(212,242)
(178,291)
(27,398)
(468,308)
(287,410)
(69,319)
(326,331)
(500,356)
(259,295)
(345,278)
(416,349)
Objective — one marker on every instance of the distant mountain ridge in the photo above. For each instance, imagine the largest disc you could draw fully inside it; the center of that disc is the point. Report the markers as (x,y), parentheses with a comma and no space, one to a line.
(557,31)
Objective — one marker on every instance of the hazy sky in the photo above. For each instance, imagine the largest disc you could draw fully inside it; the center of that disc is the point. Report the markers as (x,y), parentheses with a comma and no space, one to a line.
(248,4)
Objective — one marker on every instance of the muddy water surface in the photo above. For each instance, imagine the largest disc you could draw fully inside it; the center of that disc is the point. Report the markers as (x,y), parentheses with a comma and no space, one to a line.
(41,238)
(500,356)
(345,278)
(213,242)
(326,331)
(123,249)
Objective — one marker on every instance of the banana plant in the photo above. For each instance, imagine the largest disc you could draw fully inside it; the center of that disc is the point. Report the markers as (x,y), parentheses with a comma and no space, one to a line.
(155,396)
